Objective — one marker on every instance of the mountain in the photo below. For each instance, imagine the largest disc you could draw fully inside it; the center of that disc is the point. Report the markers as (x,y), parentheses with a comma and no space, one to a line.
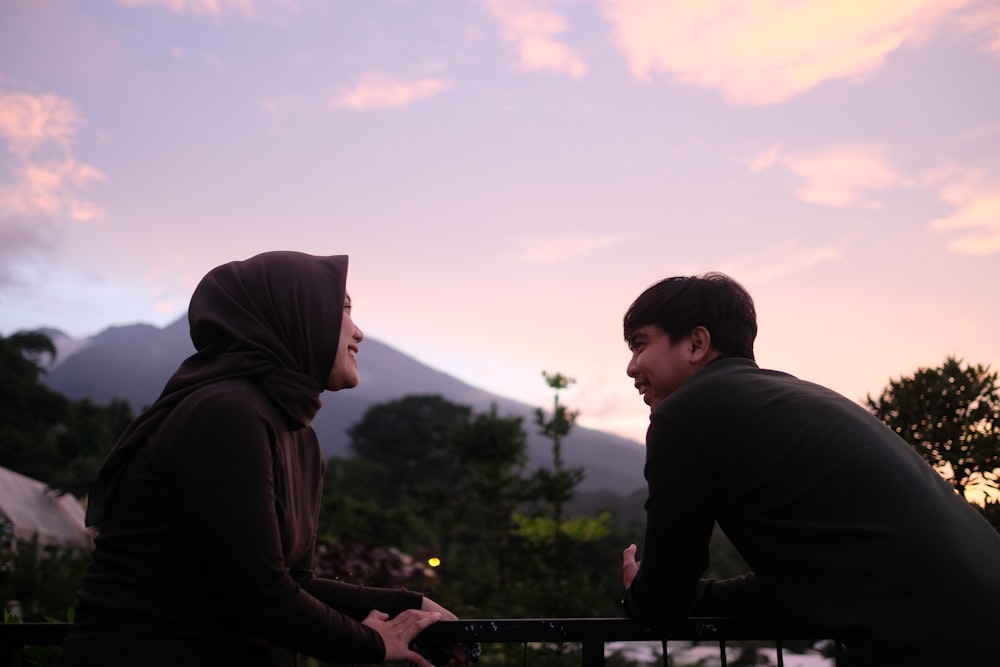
(133,363)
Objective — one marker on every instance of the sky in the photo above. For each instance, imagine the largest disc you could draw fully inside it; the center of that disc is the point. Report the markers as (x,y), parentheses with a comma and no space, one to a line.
(508,175)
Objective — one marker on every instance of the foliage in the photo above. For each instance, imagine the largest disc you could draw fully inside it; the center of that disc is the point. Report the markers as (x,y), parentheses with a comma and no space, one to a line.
(43,434)
(29,411)
(409,437)
(724,560)
(991,510)
(358,563)
(566,566)
(433,479)
(556,487)
(62,443)
(358,506)
(951,416)
(39,582)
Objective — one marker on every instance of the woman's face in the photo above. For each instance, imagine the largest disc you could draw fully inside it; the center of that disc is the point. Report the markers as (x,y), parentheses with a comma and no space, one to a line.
(344,372)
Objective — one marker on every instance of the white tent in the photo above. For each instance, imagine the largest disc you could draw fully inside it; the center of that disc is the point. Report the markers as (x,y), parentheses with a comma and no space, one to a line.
(32,509)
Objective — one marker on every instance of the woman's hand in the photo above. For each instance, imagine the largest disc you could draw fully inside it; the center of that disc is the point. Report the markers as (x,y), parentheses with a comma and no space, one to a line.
(399,631)
(459,656)
(430,605)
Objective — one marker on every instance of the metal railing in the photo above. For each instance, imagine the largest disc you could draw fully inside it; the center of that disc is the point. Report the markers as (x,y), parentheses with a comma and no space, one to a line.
(592,634)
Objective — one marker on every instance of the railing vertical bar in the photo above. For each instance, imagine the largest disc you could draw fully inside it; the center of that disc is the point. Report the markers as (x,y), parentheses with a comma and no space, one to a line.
(11,655)
(781,660)
(722,652)
(593,653)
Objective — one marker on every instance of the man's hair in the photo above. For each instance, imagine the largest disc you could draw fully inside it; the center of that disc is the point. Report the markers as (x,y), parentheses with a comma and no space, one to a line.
(713,300)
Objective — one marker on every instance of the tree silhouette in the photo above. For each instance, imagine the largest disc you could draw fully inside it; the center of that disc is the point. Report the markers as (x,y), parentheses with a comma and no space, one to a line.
(951,416)
(43,434)
(558,485)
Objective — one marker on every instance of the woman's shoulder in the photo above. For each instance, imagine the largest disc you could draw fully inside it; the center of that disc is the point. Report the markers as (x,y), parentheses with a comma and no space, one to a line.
(220,412)
(238,398)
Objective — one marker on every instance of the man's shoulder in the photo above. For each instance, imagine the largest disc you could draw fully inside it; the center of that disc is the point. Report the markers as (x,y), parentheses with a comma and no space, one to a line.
(739,370)
(725,384)
(723,370)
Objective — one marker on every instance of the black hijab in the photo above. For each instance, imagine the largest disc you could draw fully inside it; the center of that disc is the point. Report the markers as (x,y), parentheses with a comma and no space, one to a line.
(275,319)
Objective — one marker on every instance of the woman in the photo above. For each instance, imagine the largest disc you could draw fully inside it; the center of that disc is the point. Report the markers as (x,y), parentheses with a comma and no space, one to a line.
(206,508)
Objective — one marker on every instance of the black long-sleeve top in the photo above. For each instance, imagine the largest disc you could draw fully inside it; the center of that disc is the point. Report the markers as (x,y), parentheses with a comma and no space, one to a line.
(205,555)
(845,527)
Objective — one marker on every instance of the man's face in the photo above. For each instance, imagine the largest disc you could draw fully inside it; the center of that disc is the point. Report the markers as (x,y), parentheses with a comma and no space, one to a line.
(658,365)
(344,373)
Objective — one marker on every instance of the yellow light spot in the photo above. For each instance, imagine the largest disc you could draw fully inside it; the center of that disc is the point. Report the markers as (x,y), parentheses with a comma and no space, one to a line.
(433,562)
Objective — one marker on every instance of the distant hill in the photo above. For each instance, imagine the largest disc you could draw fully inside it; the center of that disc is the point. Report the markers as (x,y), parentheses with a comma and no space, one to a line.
(133,362)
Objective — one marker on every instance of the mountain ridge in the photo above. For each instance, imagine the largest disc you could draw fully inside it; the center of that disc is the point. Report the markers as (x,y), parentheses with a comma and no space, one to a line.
(132,362)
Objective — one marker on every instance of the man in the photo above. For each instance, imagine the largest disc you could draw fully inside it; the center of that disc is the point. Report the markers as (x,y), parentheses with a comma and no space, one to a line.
(845,528)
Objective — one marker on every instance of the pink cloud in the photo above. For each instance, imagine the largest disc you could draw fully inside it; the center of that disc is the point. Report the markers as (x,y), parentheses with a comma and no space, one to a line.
(841,175)
(768,51)
(984,20)
(533,28)
(29,121)
(557,248)
(279,105)
(976,219)
(378,91)
(32,125)
(215,8)
(51,189)
(780,260)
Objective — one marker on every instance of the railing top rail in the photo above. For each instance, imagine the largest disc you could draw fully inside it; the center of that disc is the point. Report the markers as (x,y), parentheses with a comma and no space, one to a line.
(613,629)
(525,630)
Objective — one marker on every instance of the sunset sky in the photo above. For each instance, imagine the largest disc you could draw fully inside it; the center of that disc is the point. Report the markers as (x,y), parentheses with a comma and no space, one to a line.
(508,175)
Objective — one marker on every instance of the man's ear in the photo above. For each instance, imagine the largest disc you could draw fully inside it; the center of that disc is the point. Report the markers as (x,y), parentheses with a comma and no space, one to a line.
(700,341)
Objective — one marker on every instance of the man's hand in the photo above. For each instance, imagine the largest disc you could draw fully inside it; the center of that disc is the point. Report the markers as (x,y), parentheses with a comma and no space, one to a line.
(630,566)
(398,632)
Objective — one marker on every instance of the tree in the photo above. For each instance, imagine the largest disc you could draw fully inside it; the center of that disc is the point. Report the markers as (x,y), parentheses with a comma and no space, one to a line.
(474,517)
(409,437)
(557,486)
(951,416)
(546,545)
(30,412)
(433,479)
(43,434)
(358,507)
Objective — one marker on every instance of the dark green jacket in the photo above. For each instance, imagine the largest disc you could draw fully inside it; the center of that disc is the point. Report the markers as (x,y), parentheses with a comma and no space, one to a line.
(844,526)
